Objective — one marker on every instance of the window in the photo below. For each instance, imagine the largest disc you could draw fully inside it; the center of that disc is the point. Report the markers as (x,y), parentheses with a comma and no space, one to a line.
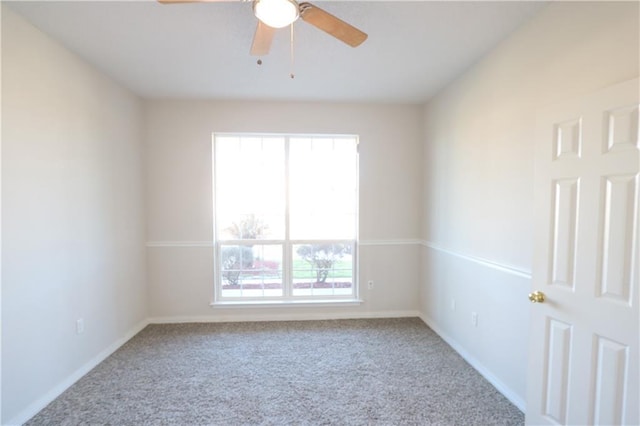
(285,217)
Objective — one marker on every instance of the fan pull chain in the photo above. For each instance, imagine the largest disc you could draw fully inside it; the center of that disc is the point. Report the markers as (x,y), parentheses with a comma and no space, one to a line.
(292,75)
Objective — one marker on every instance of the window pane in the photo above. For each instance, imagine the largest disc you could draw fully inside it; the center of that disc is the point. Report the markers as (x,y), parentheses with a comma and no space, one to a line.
(277,195)
(322,269)
(250,188)
(251,271)
(323,188)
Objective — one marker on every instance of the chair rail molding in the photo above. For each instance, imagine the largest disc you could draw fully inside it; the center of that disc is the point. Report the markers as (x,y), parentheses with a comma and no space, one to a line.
(209,243)
(522,273)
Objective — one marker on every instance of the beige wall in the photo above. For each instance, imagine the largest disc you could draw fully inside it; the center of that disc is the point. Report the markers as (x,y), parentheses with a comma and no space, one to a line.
(180,200)
(72,218)
(478,174)
(456,176)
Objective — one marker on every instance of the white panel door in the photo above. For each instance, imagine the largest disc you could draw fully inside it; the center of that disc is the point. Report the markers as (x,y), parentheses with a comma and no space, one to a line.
(584,366)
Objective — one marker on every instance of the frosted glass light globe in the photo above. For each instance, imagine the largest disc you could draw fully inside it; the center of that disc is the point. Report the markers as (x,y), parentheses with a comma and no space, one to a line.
(276,13)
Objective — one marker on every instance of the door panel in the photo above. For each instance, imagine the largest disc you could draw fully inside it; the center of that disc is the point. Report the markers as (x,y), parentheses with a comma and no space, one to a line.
(583,365)
(622,129)
(609,386)
(557,377)
(616,254)
(565,224)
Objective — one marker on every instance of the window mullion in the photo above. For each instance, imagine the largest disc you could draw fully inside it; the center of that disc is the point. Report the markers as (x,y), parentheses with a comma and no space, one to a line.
(287,258)
(217,280)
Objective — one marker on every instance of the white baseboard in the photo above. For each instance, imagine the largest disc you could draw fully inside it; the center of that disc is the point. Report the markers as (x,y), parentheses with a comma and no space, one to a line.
(477,365)
(265,316)
(47,398)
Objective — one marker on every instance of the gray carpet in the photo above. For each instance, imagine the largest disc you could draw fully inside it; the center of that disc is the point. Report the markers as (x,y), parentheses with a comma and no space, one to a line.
(342,372)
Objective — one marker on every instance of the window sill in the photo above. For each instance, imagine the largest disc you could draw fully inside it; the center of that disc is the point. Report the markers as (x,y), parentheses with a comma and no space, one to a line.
(286,303)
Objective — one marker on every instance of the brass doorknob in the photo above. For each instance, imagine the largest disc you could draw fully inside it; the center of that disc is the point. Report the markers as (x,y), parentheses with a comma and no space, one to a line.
(536,297)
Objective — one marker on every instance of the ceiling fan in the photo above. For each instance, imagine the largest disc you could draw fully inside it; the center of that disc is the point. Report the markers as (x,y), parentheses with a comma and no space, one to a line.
(274,14)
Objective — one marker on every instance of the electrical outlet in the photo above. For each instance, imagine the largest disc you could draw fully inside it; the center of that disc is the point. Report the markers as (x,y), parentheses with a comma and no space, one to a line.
(453,304)
(474,319)
(80,326)
(370,284)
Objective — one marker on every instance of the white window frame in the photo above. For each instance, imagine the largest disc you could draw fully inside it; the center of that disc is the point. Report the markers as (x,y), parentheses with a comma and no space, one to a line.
(287,243)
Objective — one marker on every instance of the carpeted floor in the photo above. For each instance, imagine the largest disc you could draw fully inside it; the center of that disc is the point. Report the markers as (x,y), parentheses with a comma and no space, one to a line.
(341,372)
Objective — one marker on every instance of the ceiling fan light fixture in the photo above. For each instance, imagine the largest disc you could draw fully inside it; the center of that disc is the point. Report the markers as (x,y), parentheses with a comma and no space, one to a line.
(276,13)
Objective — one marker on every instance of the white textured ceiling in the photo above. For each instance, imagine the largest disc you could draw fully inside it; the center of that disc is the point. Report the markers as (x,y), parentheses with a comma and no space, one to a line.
(202,50)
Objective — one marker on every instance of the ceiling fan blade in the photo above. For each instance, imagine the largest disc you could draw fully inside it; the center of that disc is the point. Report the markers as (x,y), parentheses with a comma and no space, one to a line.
(262,39)
(193,1)
(332,25)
